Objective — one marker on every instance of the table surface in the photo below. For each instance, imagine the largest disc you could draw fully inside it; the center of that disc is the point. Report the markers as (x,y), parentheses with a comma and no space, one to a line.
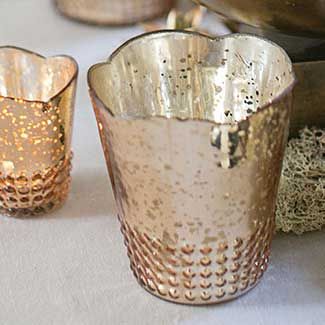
(70,267)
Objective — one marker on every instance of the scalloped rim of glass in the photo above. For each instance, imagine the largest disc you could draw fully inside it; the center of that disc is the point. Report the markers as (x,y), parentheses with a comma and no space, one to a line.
(275,100)
(61,90)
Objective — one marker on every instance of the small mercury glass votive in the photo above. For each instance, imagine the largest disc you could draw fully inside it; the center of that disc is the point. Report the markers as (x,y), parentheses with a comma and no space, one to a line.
(113,12)
(36,112)
(194,131)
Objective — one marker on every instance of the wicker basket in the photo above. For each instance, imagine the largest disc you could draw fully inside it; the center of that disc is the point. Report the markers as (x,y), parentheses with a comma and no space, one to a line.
(113,12)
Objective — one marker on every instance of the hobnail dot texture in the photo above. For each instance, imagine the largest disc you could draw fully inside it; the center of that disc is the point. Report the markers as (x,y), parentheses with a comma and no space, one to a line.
(30,196)
(199,275)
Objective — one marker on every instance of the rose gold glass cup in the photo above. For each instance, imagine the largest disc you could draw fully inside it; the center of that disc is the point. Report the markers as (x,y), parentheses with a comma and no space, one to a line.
(36,111)
(114,12)
(194,131)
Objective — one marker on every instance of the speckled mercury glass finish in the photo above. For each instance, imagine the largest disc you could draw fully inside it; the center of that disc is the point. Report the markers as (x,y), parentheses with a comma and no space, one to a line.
(36,111)
(194,131)
(113,12)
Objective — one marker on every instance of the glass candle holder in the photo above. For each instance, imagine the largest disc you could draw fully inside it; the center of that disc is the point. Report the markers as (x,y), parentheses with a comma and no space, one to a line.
(113,12)
(194,132)
(36,112)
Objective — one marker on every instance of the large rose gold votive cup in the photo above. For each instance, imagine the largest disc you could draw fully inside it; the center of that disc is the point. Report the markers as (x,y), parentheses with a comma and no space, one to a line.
(194,131)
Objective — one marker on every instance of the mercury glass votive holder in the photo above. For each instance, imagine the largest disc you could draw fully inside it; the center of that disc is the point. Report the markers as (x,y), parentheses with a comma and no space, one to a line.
(113,12)
(36,112)
(194,131)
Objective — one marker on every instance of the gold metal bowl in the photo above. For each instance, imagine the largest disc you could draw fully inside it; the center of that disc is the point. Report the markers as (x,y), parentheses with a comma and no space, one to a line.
(194,131)
(296,17)
(113,12)
(36,111)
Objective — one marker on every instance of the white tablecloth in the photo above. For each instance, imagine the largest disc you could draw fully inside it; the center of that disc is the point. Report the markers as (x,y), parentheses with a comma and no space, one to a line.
(71,267)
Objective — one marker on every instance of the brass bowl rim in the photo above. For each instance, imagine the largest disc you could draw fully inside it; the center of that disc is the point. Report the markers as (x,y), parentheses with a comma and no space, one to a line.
(61,90)
(110,59)
(103,24)
(273,27)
